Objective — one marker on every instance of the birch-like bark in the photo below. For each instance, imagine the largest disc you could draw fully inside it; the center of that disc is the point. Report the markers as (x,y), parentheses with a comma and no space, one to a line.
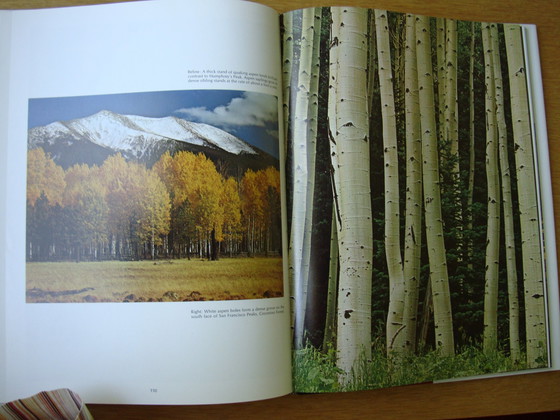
(532,254)
(413,219)
(300,171)
(441,74)
(395,338)
(372,59)
(312,115)
(288,55)
(490,333)
(287,67)
(432,195)
(332,111)
(507,200)
(351,174)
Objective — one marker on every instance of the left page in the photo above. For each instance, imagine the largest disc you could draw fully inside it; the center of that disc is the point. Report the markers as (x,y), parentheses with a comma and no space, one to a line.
(142,188)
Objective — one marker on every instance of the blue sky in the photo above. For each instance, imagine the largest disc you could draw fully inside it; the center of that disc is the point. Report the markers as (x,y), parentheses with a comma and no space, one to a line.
(250,116)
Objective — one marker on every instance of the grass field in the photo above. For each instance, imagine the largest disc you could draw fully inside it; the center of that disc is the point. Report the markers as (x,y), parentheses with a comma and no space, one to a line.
(159,281)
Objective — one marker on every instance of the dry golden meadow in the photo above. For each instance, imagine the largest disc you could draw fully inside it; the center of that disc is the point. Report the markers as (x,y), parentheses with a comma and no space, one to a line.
(155,281)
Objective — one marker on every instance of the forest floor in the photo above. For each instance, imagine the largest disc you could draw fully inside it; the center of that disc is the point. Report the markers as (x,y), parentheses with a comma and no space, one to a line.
(154,281)
(316,371)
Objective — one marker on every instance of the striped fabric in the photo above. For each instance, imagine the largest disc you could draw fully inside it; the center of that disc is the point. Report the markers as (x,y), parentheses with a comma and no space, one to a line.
(61,404)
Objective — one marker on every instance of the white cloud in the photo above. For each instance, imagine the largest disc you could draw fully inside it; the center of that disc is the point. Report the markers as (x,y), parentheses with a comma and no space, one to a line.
(253,109)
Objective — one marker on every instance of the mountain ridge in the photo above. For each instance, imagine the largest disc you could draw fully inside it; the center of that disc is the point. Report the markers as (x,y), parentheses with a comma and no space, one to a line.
(143,139)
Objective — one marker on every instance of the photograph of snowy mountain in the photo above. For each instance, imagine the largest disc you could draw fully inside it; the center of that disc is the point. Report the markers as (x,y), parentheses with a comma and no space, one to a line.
(156,185)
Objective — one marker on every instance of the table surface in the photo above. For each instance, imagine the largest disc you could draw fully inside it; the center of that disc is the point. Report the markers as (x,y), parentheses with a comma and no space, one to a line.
(537,392)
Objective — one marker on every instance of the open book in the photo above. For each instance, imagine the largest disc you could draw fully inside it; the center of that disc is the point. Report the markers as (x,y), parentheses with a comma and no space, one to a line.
(213,203)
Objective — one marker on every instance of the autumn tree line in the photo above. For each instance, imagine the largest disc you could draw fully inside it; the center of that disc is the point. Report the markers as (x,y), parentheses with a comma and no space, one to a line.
(181,207)
(413,205)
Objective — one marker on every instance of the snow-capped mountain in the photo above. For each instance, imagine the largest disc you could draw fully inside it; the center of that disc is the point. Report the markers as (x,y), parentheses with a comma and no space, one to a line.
(91,139)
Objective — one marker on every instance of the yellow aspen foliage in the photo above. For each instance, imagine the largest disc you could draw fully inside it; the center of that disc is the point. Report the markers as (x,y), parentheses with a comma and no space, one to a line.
(44,177)
(154,210)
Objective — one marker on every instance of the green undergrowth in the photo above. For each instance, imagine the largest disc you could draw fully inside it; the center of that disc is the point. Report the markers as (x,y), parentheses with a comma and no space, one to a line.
(315,371)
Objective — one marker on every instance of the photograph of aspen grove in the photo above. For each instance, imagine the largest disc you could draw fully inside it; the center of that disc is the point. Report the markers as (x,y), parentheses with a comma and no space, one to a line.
(153,197)
(415,230)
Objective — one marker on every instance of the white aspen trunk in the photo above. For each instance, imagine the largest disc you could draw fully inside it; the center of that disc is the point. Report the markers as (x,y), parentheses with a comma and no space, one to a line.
(312,113)
(351,173)
(432,195)
(372,58)
(395,338)
(287,64)
(300,171)
(533,278)
(490,334)
(413,220)
(507,201)
(332,111)
(441,74)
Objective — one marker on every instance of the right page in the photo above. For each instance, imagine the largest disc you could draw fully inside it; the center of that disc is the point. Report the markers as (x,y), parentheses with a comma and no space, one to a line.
(420,219)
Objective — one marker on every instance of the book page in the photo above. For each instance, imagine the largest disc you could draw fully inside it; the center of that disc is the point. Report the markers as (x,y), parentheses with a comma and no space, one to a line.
(144,249)
(421,224)
(540,140)
(5,28)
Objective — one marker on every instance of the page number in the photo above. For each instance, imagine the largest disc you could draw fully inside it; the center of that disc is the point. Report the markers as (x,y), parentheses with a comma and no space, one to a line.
(153,390)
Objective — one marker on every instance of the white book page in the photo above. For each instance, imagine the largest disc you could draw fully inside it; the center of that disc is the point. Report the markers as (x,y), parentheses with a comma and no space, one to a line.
(5,28)
(152,352)
(540,139)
